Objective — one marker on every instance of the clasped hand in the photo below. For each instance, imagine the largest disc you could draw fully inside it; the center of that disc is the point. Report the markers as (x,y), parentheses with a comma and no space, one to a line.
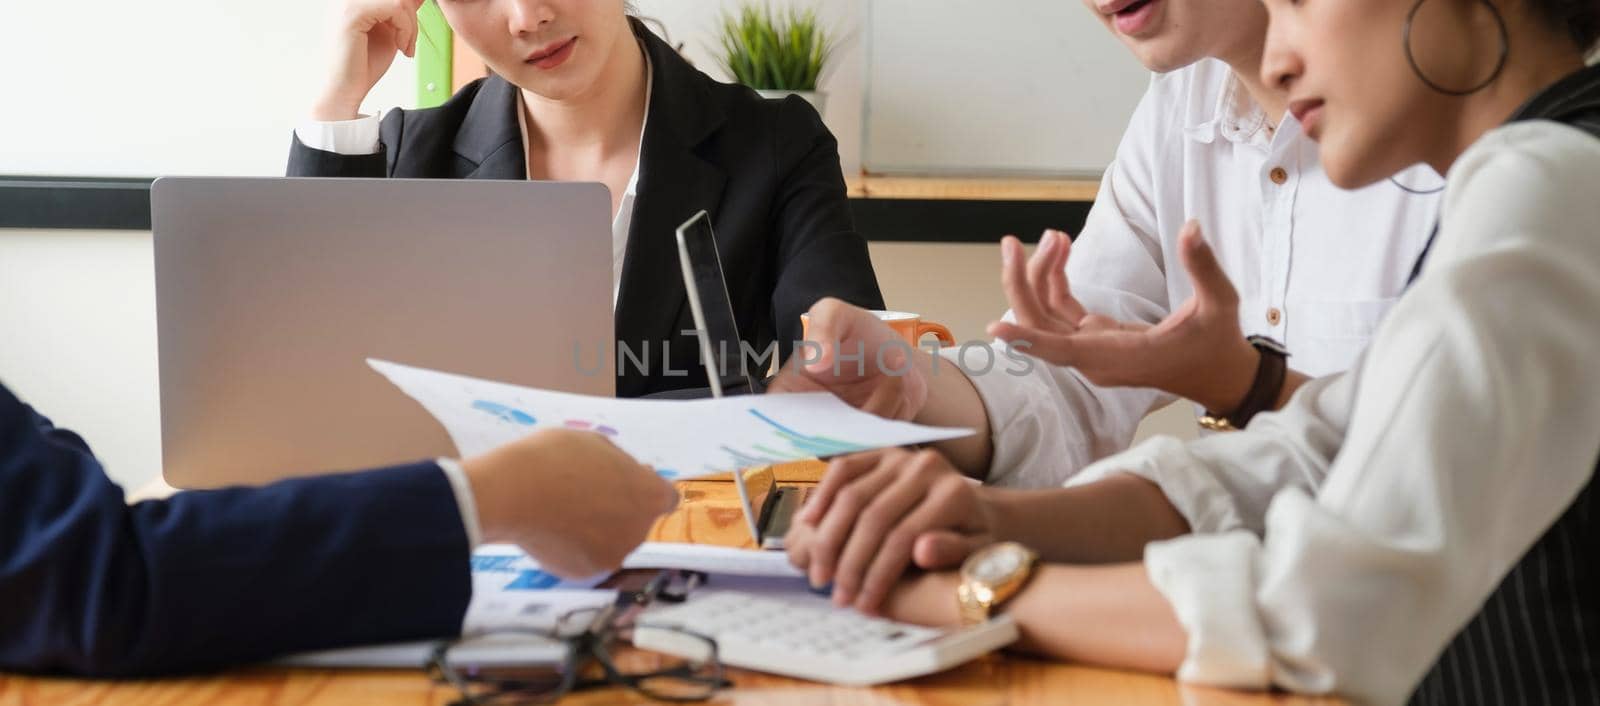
(877,513)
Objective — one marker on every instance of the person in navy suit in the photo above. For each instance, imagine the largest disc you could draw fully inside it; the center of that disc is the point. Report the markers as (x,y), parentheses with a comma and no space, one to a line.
(92,586)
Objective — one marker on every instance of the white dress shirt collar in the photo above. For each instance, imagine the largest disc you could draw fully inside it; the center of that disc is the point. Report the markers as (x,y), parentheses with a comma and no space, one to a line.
(622,220)
(1237,117)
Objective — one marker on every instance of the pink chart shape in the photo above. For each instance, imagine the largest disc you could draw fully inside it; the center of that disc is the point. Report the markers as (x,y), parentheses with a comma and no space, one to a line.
(590,426)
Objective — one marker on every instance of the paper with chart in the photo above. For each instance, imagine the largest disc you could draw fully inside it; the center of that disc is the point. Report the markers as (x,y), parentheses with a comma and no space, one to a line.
(680,439)
(511,594)
(511,590)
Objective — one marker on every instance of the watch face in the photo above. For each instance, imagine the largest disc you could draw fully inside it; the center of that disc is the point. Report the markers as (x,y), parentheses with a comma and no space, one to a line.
(997,566)
(1269,344)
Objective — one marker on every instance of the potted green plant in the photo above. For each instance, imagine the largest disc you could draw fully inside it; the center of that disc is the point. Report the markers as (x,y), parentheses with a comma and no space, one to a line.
(775,53)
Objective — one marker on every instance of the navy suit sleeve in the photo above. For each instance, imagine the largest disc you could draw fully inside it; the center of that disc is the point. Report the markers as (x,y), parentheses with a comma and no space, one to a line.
(92,586)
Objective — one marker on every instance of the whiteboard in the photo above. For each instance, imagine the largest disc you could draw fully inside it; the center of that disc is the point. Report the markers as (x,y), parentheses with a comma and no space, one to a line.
(994,86)
(215,87)
(190,87)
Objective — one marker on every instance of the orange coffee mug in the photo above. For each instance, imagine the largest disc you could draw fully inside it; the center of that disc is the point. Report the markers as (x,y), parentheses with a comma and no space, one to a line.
(910,327)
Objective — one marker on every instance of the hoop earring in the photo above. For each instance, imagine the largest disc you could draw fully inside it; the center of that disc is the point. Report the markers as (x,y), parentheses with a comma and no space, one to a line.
(1505,52)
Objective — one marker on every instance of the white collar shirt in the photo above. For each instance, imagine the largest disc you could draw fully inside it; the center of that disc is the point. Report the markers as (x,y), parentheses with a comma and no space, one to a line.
(1339,544)
(622,221)
(1316,266)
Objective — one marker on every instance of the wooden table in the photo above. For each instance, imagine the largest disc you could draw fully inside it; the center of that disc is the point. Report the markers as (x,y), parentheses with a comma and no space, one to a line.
(709,514)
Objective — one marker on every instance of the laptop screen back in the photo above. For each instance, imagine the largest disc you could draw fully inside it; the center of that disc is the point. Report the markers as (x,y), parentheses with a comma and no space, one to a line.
(726,368)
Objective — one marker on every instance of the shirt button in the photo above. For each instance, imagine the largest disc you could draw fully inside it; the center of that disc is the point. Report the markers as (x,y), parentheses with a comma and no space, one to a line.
(1274,316)
(1279,176)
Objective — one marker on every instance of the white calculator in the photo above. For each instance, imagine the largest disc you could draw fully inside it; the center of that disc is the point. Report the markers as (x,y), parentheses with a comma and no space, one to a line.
(803,635)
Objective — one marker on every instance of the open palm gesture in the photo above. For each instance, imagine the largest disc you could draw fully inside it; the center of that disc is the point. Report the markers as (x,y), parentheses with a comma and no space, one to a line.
(1198,352)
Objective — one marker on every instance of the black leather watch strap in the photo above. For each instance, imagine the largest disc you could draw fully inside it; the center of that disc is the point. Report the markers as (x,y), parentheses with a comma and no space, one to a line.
(1263,395)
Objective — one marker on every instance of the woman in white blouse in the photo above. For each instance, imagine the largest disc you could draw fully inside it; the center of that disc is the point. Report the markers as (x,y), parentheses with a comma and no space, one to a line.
(1421,527)
(1210,141)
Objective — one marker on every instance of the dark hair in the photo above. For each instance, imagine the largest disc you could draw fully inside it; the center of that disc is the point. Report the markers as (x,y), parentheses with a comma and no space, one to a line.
(1580,19)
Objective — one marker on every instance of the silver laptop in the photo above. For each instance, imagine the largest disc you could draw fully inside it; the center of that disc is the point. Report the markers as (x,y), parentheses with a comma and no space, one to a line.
(768,507)
(272,293)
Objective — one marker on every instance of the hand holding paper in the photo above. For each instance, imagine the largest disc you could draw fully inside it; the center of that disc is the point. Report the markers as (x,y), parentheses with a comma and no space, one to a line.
(572,499)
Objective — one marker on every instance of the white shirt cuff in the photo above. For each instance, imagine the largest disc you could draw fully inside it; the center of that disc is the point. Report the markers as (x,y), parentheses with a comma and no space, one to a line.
(1009,399)
(1210,582)
(1046,423)
(987,365)
(998,398)
(346,137)
(1191,486)
(464,500)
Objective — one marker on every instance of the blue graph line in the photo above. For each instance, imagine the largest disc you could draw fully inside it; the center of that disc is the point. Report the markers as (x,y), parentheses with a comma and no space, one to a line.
(779,454)
(509,414)
(775,424)
(533,580)
(804,447)
(819,448)
(494,564)
(812,443)
(744,460)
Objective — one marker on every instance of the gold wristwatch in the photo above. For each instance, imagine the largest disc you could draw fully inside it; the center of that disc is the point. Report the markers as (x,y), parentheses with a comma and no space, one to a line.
(991,576)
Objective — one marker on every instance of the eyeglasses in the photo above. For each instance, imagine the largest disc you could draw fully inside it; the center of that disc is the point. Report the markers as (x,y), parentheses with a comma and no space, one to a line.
(484,668)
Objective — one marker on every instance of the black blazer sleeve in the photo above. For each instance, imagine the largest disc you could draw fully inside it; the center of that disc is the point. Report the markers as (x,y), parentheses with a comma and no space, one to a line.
(820,254)
(92,586)
(307,162)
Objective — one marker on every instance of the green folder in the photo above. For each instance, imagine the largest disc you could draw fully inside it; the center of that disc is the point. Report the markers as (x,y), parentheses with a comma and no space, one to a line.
(434,56)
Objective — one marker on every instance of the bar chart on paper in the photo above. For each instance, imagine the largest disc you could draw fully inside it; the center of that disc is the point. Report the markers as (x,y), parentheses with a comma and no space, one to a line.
(679,439)
(788,445)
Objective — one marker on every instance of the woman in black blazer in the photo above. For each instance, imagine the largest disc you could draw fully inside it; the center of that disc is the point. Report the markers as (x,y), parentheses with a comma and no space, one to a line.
(601,98)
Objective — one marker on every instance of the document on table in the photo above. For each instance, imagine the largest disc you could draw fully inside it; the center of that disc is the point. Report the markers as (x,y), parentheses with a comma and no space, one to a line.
(510,592)
(711,559)
(679,439)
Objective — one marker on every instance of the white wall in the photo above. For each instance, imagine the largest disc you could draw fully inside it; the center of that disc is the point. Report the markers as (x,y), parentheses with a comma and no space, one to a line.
(215,86)
(1009,86)
(694,24)
(1006,86)
(78,339)
(198,87)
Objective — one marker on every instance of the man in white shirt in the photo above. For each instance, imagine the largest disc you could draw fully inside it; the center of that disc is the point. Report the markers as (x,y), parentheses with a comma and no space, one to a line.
(1316,267)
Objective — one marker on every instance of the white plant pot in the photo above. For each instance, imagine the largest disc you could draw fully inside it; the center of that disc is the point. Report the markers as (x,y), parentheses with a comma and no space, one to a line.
(817,99)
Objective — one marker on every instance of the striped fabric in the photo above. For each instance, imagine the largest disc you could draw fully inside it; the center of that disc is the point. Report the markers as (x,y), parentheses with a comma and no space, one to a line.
(1537,639)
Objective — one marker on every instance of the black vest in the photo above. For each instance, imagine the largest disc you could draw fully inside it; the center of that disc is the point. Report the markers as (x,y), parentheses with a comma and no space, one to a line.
(1537,638)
